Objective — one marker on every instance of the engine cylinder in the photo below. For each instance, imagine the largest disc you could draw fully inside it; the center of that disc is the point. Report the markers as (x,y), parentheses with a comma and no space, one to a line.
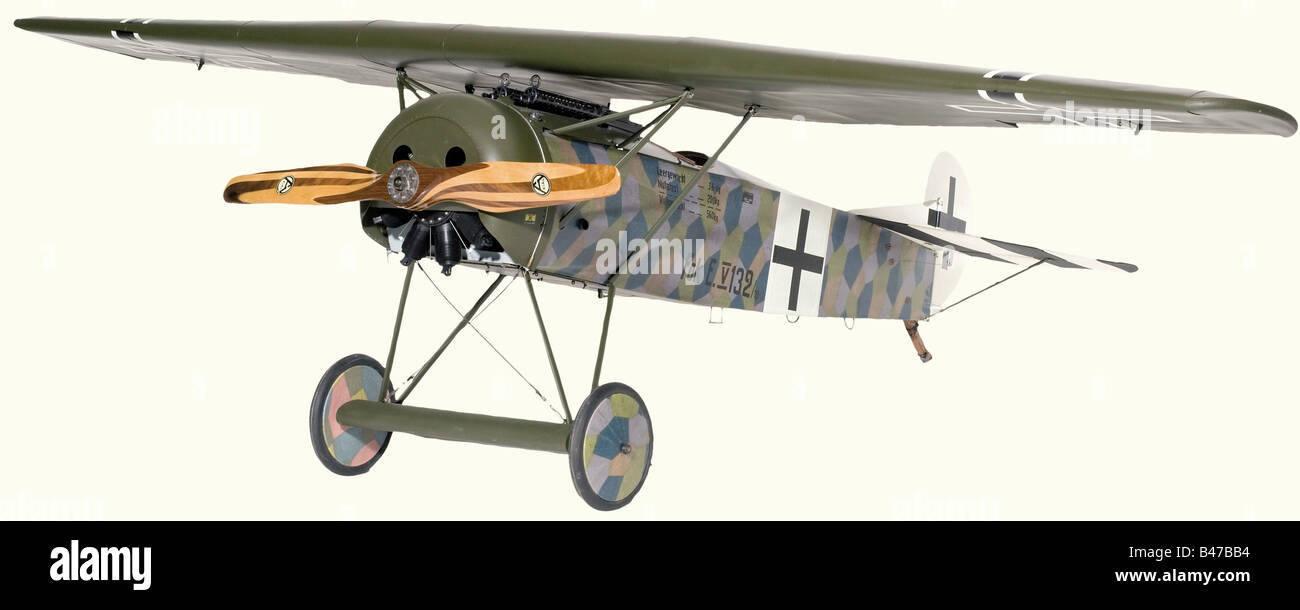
(446,246)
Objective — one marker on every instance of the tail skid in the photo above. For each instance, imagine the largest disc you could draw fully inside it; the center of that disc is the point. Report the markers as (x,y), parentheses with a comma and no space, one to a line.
(914,331)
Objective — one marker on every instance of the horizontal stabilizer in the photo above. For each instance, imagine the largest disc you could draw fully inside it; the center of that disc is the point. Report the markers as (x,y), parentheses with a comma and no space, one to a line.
(992,249)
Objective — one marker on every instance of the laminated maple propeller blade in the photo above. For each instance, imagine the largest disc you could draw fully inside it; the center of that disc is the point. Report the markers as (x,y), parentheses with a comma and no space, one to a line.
(498,186)
(494,186)
(305,186)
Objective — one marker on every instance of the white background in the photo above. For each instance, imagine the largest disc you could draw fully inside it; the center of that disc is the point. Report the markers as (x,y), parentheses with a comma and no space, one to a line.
(161,347)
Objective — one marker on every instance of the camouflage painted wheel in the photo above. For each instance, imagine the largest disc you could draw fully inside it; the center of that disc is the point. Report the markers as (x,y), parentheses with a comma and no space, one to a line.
(610,446)
(346,450)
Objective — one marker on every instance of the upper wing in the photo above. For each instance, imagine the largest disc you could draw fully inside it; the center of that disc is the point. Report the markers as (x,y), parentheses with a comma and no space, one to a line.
(726,76)
(992,249)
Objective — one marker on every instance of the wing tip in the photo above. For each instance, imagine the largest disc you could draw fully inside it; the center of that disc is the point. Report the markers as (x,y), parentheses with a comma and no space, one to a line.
(33,24)
(1126,267)
(1262,118)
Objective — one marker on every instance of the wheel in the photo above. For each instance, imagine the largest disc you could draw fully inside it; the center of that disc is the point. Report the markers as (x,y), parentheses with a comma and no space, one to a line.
(346,450)
(610,446)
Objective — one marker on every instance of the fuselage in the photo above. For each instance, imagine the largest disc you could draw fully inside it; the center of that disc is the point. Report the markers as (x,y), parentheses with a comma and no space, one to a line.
(735,241)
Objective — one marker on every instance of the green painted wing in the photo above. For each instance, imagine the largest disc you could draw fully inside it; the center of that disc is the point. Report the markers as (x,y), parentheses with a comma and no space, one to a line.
(726,76)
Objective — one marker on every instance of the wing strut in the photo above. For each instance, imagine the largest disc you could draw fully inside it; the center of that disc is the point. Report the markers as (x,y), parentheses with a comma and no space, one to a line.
(654,126)
(405,82)
(677,102)
(614,116)
(750,111)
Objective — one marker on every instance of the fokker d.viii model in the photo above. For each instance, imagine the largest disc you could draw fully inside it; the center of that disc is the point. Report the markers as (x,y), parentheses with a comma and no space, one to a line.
(511,161)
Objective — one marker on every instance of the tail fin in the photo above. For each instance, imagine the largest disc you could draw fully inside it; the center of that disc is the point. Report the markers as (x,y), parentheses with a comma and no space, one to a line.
(947,205)
(948,199)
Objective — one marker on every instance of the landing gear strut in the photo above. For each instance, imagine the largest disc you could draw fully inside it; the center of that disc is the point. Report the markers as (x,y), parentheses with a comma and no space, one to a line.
(356,411)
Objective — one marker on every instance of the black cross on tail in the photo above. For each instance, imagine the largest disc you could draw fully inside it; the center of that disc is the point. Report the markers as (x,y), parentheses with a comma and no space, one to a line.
(798,260)
(947,220)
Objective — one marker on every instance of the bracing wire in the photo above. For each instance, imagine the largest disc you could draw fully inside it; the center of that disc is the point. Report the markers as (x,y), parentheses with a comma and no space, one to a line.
(486,340)
(495,297)
(981,290)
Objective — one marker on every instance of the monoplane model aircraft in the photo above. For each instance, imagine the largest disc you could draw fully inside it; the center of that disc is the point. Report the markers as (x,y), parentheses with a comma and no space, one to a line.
(509,159)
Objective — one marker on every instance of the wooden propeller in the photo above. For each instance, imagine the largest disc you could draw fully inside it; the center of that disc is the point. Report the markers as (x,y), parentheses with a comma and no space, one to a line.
(494,186)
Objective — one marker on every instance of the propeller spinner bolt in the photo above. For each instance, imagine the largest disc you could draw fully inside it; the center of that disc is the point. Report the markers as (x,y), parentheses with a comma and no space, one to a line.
(403,182)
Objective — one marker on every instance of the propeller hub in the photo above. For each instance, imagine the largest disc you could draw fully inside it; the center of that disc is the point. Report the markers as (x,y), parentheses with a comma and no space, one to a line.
(403,183)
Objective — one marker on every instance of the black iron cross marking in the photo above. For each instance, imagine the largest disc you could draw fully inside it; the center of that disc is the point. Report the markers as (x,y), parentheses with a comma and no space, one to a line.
(798,260)
(948,221)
